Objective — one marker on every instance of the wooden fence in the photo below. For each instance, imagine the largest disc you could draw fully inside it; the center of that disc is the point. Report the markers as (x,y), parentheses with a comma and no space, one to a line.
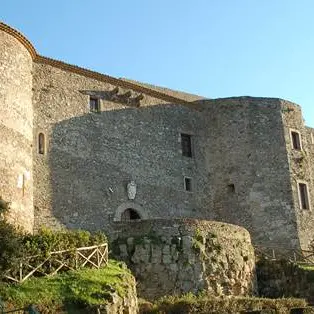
(292,255)
(54,262)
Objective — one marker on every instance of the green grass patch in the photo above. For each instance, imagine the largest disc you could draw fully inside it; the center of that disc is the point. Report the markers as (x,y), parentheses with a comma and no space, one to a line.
(86,287)
(202,304)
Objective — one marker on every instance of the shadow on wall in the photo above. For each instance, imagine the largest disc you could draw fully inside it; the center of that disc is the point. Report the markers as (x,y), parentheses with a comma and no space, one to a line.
(92,158)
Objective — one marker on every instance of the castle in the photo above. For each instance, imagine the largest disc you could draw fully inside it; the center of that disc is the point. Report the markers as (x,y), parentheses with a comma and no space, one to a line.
(80,149)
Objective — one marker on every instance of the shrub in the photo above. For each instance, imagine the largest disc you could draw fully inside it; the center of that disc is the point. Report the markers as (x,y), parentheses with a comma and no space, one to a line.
(16,247)
(11,246)
(204,304)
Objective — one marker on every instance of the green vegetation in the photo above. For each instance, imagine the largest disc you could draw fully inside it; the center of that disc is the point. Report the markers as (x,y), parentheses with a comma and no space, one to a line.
(16,246)
(87,287)
(47,240)
(204,304)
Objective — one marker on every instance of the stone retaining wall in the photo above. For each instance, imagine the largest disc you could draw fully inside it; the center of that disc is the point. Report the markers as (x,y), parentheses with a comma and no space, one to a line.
(173,257)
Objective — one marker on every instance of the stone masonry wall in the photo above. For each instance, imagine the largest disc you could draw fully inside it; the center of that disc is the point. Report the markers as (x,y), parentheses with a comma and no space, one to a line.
(248,170)
(173,257)
(239,169)
(301,163)
(16,130)
(91,157)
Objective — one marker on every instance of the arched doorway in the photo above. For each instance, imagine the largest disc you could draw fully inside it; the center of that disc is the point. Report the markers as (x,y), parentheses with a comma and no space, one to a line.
(130,214)
(130,211)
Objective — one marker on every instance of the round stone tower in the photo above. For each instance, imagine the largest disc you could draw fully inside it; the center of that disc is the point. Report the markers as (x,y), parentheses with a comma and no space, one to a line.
(16,126)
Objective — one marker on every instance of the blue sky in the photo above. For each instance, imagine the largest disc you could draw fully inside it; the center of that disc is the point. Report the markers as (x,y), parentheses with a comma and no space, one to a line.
(214,48)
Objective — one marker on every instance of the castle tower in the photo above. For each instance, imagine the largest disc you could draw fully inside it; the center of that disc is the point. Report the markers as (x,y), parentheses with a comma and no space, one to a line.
(16,126)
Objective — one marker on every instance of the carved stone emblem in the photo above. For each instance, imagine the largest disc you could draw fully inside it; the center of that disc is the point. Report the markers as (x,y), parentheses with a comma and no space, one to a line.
(131,188)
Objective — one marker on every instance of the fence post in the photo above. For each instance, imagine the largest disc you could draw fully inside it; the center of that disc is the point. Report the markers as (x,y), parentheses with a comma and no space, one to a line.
(98,261)
(21,271)
(274,256)
(76,259)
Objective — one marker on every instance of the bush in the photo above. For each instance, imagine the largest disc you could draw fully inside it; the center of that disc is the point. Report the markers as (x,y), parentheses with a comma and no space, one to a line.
(17,247)
(47,240)
(11,247)
(204,304)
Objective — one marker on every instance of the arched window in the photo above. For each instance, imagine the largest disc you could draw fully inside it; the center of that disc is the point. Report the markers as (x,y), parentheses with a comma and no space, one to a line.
(41,143)
(130,214)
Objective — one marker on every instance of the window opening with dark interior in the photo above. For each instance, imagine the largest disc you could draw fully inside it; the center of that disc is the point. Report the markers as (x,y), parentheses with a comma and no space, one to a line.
(188,184)
(41,143)
(304,198)
(296,141)
(130,214)
(94,104)
(186,145)
(231,188)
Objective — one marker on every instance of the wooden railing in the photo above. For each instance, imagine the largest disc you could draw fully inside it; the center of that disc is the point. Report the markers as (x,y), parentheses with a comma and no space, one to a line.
(292,255)
(54,262)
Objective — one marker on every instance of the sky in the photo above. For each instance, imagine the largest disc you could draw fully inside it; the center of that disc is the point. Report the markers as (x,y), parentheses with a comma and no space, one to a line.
(213,48)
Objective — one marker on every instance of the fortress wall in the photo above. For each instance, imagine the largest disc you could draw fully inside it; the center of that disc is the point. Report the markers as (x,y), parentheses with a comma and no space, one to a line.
(173,257)
(16,129)
(301,164)
(248,168)
(81,181)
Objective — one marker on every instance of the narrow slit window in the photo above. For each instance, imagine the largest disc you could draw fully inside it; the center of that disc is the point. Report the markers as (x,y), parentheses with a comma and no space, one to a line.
(188,184)
(94,104)
(296,140)
(41,143)
(304,197)
(186,145)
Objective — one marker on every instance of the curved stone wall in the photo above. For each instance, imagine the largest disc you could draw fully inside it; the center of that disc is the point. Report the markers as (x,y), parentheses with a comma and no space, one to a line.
(173,257)
(16,129)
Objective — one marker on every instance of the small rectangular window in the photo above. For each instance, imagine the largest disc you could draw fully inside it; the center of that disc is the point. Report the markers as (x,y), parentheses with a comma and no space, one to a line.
(186,145)
(94,104)
(296,141)
(231,188)
(188,184)
(304,197)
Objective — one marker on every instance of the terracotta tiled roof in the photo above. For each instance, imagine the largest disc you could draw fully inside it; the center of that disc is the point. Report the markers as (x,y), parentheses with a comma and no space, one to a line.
(20,37)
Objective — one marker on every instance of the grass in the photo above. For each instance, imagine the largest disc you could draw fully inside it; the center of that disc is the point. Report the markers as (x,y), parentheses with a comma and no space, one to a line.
(202,304)
(87,287)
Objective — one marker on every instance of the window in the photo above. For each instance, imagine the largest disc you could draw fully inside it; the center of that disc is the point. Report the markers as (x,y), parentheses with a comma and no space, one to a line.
(303,196)
(41,143)
(188,184)
(94,104)
(231,188)
(296,141)
(186,145)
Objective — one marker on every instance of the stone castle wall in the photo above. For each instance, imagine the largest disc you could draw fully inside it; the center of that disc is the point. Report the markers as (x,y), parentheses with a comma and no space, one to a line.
(242,168)
(173,257)
(91,157)
(247,166)
(301,163)
(16,129)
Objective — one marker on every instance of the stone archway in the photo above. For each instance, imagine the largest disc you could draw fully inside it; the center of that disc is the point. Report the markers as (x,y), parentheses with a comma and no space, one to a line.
(130,214)
(129,211)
